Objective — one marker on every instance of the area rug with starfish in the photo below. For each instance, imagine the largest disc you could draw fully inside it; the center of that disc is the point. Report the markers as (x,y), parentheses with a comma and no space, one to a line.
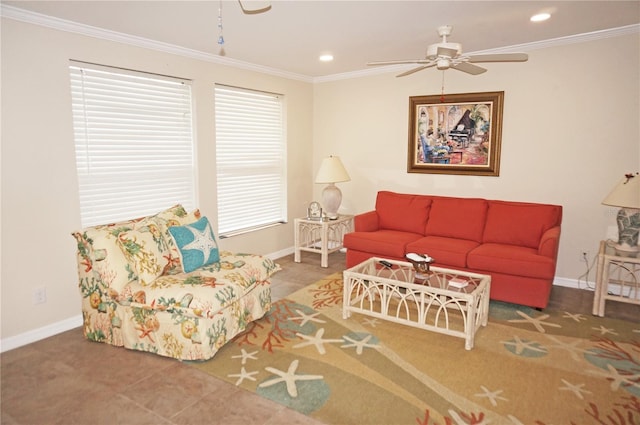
(526,367)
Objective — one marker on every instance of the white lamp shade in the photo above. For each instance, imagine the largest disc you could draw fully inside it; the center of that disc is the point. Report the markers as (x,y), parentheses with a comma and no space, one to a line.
(332,171)
(626,194)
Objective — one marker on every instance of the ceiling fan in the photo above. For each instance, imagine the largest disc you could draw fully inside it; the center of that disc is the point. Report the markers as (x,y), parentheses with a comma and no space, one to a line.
(255,7)
(445,55)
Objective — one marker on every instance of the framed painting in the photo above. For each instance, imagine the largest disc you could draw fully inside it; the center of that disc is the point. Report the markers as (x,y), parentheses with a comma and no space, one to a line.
(455,134)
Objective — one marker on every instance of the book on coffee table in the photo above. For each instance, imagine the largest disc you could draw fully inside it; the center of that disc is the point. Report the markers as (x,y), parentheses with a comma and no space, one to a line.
(458,283)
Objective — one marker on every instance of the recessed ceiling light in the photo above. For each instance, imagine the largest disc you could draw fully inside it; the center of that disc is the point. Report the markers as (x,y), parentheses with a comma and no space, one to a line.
(540,17)
(326,58)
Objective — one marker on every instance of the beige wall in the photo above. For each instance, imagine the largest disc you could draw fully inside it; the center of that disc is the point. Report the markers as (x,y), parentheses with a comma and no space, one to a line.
(571,130)
(40,205)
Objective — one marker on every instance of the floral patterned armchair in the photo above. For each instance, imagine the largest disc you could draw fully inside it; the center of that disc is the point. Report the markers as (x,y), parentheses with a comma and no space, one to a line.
(135,293)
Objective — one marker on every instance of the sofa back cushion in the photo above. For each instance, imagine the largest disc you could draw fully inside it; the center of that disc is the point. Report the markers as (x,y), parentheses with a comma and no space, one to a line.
(459,218)
(518,223)
(403,212)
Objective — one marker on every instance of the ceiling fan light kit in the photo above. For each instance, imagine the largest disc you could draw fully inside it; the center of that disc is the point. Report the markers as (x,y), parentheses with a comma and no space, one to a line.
(445,55)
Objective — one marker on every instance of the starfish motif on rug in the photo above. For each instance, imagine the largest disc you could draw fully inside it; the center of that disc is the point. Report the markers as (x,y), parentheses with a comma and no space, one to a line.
(373,322)
(577,389)
(520,346)
(571,347)
(360,345)
(574,316)
(493,396)
(616,378)
(245,356)
(243,375)
(604,331)
(537,322)
(289,378)
(316,340)
(203,241)
(304,318)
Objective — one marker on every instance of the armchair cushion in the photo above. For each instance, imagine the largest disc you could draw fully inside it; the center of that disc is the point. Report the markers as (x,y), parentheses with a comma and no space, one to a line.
(146,251)
(196,243)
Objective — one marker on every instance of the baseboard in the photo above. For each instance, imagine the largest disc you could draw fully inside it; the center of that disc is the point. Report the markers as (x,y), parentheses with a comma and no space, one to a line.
(10,343)
(29,337)
(279,254)
(573,283)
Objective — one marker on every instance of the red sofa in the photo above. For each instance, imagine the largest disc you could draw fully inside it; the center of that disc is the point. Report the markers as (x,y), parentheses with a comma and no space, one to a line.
(514,242)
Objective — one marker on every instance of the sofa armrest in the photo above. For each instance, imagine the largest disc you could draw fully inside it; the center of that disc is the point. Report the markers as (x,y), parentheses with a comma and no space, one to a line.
(366,222)
(549,242)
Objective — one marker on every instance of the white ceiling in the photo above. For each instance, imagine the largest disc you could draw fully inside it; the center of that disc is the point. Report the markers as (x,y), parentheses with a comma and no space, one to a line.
(292,35)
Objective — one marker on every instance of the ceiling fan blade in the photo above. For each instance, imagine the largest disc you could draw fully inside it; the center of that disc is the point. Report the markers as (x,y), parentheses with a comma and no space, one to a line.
(411,71)
(500,57)
(262,6)
(400,62)
(469,68)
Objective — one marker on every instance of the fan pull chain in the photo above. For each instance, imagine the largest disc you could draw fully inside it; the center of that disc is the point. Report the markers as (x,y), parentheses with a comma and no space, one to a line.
(220,35)
(442,92)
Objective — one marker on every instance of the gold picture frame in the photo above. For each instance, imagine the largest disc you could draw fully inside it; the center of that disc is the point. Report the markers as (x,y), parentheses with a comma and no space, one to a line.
(455,134)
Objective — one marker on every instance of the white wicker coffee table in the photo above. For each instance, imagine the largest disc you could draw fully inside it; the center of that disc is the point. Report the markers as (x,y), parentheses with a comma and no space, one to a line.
(446,301)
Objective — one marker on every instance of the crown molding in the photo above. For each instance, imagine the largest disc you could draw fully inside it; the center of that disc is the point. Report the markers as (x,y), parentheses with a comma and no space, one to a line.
(525,47)
(22,15)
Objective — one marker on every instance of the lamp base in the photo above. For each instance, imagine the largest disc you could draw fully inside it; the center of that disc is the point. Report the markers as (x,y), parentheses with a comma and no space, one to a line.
(331,199)
(628,220)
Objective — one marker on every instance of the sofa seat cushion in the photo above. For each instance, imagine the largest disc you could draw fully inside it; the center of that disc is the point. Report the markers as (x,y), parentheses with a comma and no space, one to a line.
(204,292)
(511,259)
(384,243)
(445,251)
(460,218)
(405,213)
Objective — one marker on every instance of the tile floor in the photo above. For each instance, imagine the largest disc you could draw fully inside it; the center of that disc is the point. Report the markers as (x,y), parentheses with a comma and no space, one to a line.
(68,380)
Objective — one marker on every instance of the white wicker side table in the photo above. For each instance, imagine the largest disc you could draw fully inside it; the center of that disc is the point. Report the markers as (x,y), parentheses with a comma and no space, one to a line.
(320,236)
(617,278)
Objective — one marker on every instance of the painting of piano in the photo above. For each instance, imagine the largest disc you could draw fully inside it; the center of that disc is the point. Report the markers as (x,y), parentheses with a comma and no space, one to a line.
(455,134)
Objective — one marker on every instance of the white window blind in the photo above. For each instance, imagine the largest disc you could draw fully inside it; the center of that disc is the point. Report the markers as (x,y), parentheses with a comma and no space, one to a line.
(134,142)
(250,159)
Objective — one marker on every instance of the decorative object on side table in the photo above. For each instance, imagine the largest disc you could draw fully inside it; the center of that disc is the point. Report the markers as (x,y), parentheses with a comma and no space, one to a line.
(421,263)
(332,171)
(314,211)
(626,195)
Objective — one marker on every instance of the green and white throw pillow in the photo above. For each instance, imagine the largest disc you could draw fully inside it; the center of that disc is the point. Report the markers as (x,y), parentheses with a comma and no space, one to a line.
(196,243)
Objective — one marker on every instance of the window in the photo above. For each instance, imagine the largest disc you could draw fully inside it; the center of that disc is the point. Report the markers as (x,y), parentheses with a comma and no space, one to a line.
(251,160)
(134,142)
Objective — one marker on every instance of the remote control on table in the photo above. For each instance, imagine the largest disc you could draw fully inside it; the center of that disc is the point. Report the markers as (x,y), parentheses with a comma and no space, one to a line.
(386,263)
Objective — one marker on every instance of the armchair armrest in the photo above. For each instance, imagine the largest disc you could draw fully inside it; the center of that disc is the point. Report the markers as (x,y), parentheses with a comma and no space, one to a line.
(366,222)
(549,243)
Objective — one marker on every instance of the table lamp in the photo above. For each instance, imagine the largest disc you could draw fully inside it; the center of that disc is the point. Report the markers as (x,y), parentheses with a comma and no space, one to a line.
(332,171)
(626,195)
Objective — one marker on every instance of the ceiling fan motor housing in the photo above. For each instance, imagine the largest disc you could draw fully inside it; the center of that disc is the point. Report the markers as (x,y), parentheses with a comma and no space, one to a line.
(443,63)
(448,50)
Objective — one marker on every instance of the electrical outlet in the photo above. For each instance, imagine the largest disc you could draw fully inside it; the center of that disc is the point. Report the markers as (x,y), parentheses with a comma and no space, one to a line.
(584,256)
(40,295)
